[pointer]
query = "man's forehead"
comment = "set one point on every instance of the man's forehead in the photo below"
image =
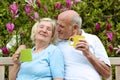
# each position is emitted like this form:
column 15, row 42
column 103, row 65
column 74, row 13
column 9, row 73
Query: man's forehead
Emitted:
column 60, row 22
column 63, row 21
column 69, row 13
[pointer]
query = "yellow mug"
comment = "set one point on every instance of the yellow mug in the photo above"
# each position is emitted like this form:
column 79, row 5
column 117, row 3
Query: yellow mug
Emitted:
column 73, row 40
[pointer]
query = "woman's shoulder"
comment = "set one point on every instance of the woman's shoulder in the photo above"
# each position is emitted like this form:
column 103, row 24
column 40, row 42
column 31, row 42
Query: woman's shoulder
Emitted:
column 53, row 47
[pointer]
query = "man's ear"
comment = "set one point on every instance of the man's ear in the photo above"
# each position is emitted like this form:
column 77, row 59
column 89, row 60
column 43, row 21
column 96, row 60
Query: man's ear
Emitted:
column 75, row 29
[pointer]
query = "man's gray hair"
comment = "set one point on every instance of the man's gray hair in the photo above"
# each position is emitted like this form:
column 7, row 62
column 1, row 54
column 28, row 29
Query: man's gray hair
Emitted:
column 77, row 20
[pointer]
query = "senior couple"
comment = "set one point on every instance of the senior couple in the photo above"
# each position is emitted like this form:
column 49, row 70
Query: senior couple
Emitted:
column 55, row 59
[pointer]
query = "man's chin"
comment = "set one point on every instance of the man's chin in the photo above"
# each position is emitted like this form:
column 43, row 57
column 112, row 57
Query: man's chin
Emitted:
column 62, row 38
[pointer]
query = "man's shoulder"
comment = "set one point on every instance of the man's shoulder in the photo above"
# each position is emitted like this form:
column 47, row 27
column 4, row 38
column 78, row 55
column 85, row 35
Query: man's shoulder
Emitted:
column 90, row 35
column 86, row 34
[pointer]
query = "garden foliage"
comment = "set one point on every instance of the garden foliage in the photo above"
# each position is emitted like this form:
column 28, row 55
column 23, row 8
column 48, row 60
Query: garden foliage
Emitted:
column 100, row 17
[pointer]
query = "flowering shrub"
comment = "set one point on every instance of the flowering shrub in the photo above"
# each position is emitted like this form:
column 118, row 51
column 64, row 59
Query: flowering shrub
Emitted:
column 100, row 17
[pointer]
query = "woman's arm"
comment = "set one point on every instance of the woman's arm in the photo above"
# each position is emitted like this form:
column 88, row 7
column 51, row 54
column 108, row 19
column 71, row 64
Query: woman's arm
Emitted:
column 16, row 63
column 58, row 79
column 13, row 72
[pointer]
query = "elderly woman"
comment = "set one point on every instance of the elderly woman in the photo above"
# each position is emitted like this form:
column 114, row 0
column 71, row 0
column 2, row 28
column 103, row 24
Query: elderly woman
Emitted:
column 48, row 60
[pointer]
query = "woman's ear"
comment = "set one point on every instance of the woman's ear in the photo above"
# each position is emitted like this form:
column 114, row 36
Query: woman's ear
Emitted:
column 75, row 29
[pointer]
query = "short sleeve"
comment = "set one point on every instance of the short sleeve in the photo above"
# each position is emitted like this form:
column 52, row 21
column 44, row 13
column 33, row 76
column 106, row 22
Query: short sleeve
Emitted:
column 100, row 51
column 57, row 63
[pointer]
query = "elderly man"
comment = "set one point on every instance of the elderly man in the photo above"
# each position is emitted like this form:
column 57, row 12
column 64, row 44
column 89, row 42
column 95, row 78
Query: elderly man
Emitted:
column 88, row 60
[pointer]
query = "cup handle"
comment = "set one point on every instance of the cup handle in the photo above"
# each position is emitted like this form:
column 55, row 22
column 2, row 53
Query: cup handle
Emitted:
column 70, row 41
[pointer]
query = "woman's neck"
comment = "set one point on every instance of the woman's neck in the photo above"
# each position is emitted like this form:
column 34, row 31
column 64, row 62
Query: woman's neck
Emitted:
column 40, row 46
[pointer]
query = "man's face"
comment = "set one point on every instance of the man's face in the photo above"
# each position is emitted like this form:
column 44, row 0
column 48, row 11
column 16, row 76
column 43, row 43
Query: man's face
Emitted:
column 64, row 29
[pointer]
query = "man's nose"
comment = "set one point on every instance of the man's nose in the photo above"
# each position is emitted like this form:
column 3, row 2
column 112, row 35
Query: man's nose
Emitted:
column 57, row 28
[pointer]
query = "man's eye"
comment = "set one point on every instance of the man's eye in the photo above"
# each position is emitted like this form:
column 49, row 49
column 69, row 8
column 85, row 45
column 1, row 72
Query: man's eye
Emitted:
column 60, row 25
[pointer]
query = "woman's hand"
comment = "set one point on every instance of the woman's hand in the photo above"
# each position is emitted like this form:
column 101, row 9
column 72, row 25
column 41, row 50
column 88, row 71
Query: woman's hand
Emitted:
column 15, row 58
column 16, row 55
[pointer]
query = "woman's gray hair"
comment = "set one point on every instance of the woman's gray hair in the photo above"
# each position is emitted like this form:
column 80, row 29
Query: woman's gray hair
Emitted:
column 54, row 39
column 77, row 20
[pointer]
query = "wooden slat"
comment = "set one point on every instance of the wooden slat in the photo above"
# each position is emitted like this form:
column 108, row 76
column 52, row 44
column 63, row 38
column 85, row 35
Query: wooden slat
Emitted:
column 2, row 72
column 10, row 67
column 115, row 60
column 6, row 61
column 3, row 62
column 117, row 72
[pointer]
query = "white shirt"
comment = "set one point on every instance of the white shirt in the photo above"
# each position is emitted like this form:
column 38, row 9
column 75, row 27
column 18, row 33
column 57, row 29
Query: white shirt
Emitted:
column 77, row 66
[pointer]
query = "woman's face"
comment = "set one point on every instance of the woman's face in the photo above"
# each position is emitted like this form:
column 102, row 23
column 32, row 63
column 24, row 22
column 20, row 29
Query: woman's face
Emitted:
column 44, row 31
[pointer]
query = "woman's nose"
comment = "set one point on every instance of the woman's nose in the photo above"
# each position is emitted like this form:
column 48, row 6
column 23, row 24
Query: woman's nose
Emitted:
column 44, row 29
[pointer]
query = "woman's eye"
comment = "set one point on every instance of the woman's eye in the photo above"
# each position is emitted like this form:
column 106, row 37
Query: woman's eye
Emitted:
column 45, row 27
column 49, row 29
column 41, row 26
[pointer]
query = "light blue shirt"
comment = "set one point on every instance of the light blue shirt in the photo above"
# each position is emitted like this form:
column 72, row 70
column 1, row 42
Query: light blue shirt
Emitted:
column 45, row 65
column 77, row 66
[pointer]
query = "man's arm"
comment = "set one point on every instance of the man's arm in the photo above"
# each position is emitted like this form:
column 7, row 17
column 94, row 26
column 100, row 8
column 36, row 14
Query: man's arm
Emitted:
column 102, row 68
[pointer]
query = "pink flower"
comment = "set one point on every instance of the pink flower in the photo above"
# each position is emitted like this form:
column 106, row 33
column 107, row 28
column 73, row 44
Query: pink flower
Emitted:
column 36, row 16
column 56, row 17
column 45, row 9
column 38, row 3
column 64, row 8
column 69, row 3
column 10, row 27
column 5, row 51
column 57, row 5
column 109, row 35
column 97, row 27
column 111, row 48
column 27, row 9
column 108, row 26
column 14, row 8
